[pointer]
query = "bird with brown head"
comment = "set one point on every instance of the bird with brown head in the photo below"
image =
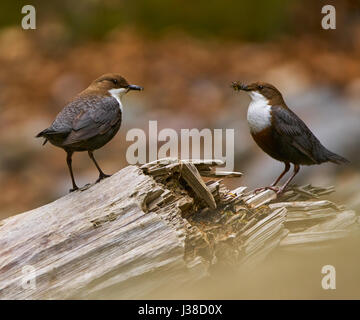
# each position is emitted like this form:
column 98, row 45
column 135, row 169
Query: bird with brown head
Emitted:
column 90, row 120
column 280, row 133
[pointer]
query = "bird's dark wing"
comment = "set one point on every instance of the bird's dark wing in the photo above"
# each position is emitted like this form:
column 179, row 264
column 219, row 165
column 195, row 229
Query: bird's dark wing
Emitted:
column 295, row 132
column 95, row 116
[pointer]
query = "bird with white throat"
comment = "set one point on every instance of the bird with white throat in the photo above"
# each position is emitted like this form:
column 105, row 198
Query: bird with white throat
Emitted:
column 90, row 120
column 280, row 133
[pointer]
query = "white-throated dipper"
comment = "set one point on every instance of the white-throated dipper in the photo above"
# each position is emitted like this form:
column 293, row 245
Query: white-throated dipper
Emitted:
column 90, row 120
column 280, row 133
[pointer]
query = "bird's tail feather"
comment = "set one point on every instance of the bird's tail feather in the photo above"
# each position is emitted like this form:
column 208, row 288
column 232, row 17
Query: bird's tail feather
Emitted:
column 51, row 134
column 335, row 158
column 43, row 135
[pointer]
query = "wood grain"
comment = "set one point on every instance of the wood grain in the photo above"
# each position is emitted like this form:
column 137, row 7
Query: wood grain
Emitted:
column 146, row 228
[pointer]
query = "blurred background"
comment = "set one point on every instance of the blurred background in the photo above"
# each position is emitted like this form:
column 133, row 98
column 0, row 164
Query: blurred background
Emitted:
column 185, row 54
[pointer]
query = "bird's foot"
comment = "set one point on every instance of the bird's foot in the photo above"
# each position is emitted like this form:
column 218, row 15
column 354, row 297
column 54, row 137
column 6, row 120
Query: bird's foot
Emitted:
column 277, row 190
column 280, row 191
column 74, row 189
column 102, row 176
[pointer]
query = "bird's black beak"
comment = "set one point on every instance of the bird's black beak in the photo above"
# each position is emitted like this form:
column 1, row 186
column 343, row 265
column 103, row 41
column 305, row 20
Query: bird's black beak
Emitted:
column 134, row 87
column 240, row 86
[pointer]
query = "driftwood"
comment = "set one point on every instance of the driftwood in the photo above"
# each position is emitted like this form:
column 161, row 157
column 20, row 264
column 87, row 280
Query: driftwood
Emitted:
column 134, row 233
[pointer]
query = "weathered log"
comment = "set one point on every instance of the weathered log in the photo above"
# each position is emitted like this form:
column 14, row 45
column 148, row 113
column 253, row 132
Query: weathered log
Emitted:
column 144, row 228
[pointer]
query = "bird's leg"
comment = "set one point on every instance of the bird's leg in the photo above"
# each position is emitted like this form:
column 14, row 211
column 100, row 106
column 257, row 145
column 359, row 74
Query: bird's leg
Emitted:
column 102, row 175
column 273, row 185
column 296, row 170
column 69, row 162
column 286, row 169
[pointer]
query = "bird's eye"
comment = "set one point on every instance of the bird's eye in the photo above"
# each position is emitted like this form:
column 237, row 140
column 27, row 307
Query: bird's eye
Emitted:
column 114, row 81
column 261, row 87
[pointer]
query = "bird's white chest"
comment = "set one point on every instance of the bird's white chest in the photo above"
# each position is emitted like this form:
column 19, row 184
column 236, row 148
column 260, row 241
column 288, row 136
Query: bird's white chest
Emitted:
column 259, row 113
column 117, row 94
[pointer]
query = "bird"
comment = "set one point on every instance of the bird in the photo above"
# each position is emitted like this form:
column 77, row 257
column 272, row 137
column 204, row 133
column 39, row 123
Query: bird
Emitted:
column 280, row 133
column 90, row 120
